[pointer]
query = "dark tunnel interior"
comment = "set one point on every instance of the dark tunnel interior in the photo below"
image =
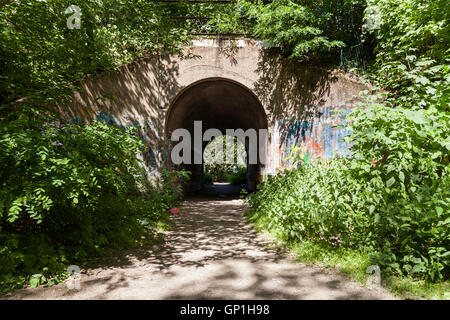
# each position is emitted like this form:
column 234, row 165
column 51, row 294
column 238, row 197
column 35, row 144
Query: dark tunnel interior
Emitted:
column 220, row 104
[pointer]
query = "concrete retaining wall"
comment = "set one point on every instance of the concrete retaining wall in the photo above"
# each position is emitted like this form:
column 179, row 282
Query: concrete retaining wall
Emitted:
column 298, row 100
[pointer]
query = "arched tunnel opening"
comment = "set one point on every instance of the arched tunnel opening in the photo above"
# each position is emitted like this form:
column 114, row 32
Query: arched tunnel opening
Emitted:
column 218, row 105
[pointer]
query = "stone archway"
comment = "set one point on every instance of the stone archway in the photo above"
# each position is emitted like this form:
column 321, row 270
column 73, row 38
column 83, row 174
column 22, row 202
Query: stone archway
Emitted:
column 222, row 104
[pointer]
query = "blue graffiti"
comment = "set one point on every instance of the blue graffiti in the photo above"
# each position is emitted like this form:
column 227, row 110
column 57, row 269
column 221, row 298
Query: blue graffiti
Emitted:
column 295, row 128
column 75, row 120
column 327, row 140
column 108, row 118
column 151, row 158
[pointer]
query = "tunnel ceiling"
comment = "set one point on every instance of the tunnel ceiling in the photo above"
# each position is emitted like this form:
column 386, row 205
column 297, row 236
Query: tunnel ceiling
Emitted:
column 219, row 103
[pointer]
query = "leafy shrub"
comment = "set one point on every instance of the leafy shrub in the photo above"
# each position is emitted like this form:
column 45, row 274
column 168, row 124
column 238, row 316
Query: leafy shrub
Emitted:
column 63, row 56
column 237, row 178
column 63, row 165
column 407, row 233
column 392, row 196
column 218, row 172
column 223, row 172
column 207, row 178
column 70, row 192
column 412, row 52
column 174, row 182
column 296, row 27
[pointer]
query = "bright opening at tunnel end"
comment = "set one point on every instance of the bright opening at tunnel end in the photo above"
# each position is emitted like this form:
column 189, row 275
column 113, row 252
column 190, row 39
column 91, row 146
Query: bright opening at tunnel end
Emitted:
column 253, row 140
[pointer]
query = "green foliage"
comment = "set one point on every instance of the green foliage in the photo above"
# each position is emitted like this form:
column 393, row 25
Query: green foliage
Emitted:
column 63, row 164
column 335, row 205
column 218, row 172
column 173, row 182
column 412, row 51
column 72, row 191
column 238, row 177
column 225, row 159
column 353, row 263
column 305, row 29
column 293, row 26
column 39, row 53
column 224, row 172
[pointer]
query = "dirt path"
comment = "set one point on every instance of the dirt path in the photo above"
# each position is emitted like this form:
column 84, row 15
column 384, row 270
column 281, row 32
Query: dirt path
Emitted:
column 211, row 254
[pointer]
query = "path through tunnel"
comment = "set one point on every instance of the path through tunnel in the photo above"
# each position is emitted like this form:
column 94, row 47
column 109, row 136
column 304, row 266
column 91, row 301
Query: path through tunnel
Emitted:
column 219, row 104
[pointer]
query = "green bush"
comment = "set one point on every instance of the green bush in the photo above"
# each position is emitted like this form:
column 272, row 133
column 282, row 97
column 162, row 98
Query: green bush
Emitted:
column 112, row 33
column 391, row 198
column 237, row 178
column 348, row 204
column 63, row 165
column 302, row 29
column 224, row 172
column 218, row 172
column 207, row 178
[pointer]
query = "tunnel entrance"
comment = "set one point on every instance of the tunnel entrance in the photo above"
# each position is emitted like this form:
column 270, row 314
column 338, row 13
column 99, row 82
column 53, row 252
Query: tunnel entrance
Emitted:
column 224, row 167
column 219, row 104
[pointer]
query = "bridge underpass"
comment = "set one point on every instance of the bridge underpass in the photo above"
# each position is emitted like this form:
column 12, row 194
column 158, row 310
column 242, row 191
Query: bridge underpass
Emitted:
column 231, row 84
column 220, row 104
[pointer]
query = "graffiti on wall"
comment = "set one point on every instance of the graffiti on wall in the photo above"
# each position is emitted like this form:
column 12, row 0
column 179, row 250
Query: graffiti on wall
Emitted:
column 321, row 138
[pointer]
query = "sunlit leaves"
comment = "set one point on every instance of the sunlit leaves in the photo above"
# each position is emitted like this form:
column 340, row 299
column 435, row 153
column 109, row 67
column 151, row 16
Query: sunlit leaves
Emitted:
column 39, row 52
column 301, row 29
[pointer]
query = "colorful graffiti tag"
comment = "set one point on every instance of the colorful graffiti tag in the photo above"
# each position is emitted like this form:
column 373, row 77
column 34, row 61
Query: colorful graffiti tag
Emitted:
column 321, row 138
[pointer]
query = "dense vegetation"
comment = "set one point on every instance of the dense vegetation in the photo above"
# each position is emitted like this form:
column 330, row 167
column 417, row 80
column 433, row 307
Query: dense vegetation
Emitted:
column 391, row 198
column 63, row 199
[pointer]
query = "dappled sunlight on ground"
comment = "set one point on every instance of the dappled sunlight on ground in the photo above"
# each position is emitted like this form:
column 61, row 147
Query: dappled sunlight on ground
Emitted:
column 211, row 253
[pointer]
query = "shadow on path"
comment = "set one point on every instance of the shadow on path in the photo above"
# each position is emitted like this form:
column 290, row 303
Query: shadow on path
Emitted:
column 211, row 253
